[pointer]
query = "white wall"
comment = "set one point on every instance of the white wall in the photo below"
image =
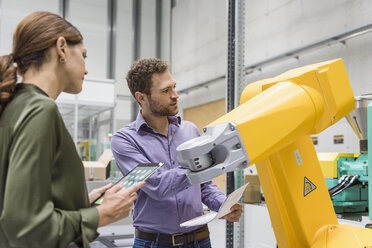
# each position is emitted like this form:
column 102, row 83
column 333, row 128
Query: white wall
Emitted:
column 199, row 43
column 276, row 27
column 90, row 17
column 124, row 57
column 11, row 14
column 148, row 24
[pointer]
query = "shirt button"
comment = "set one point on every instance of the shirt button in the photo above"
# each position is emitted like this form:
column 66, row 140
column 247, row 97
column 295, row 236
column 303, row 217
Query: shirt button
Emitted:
column 173, row 162
column 179, row 200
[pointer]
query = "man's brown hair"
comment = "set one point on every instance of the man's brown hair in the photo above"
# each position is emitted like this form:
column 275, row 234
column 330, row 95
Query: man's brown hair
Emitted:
column 139, row 75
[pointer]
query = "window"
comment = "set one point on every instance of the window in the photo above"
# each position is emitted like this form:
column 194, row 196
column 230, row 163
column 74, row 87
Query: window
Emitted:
column 338, row 139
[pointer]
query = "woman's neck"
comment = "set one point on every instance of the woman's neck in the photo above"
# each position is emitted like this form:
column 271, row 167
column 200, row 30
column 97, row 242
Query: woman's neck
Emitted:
column 45, row 79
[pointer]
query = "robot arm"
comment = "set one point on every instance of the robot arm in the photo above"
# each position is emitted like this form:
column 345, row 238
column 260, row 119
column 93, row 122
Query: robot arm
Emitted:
column 271, row 128
column 273, row 113
column 219, row 150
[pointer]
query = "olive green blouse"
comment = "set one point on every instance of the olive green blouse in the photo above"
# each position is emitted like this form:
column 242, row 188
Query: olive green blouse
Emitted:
column 43, row 195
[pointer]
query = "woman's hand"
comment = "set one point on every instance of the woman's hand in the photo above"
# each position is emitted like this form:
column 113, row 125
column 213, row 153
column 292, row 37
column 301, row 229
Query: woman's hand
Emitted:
column 117, row 204
column 95, row 193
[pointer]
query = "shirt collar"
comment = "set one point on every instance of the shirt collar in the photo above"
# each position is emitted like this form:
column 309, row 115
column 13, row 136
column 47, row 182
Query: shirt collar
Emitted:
column 140, row 122
column 31, row 87
column 176, row 120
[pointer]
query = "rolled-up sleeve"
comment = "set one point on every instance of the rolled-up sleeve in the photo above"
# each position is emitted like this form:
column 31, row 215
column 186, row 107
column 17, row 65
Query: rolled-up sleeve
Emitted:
column 212, row 197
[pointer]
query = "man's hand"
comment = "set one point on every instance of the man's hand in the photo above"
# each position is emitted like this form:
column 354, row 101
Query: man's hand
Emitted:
column 234, row 216
column 95, row 193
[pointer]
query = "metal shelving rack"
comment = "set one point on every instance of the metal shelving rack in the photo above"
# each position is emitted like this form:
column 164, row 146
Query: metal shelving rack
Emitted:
column 235, row 86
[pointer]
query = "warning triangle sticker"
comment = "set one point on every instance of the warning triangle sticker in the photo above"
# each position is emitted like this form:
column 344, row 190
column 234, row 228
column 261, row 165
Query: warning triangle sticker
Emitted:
column 308, row 186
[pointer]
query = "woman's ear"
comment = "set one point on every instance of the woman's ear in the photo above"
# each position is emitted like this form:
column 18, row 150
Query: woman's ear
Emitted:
column 61, row 46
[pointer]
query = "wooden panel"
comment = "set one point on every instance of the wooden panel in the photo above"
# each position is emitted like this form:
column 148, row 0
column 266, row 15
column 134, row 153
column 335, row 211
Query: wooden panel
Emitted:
column 202, row 115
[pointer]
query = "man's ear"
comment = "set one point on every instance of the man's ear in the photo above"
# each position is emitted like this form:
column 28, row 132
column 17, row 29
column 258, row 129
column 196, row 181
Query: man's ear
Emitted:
column 140, row 97
column 61, row 46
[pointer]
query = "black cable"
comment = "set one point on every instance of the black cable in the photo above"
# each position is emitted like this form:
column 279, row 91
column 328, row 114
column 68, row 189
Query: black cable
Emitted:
column 339, row 186
column 352, row 182
column 339, row 181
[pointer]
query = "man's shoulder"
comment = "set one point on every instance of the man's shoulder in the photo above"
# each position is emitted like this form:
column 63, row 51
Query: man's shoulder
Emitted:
column 124, row 136
column 187, row 123
column 128, row 129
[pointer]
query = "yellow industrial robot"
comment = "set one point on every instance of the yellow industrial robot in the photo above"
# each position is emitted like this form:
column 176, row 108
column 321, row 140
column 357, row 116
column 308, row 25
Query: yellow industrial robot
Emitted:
column 271, row 128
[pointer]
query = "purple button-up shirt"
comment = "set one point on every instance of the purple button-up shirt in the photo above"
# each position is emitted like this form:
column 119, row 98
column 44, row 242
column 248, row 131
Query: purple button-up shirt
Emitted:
column 168, row 198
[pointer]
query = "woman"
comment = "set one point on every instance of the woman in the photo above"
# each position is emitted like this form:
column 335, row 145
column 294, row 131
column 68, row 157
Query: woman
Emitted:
column 43, row 196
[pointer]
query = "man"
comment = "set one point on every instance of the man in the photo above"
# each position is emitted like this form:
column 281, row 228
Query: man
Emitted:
column 168, row 198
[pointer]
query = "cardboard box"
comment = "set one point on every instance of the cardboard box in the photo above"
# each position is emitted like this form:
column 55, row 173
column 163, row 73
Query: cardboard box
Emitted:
column 220, row 181
column 252, row 193
column 98, row 170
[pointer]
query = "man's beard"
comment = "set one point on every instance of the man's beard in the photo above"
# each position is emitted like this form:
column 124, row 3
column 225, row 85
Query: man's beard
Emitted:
column 160, row 110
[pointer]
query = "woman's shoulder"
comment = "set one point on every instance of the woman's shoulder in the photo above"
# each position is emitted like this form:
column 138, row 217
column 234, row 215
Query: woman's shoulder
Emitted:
column 28, row 104
column 32, row 97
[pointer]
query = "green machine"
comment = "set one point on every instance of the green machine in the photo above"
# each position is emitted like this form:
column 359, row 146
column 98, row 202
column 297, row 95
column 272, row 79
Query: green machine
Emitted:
column 347, row 174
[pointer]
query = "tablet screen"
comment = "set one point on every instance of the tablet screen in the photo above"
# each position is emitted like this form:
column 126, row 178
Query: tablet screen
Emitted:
column 139, row 173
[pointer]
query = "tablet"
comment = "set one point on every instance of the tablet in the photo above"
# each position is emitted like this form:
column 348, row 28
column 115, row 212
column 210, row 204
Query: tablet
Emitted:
column 138, row 174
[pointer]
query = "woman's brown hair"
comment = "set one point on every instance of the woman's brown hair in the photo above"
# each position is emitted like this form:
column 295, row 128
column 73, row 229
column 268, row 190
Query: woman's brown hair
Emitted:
column 34, row 35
